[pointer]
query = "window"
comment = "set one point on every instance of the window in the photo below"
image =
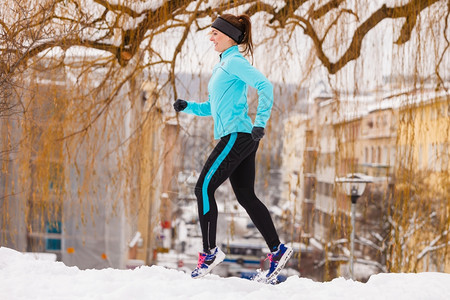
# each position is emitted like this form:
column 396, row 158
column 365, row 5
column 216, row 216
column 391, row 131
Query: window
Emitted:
column 385, row 156
column 442, row 158
column 374, row 155
column 379, row 155
column 310, row 188
column 56, row 173
column 325, row 188
column 53, row 243
column 419, row 157
column 442, row 110
column 44, row 232
column 366, row 155
column 431, row 156
column 392, row 156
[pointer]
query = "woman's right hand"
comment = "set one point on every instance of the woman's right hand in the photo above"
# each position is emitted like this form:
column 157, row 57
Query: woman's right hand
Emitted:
column 179, row 105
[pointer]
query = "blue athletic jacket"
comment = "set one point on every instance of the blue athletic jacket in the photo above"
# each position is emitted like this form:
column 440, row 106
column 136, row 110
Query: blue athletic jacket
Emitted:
column 227, row 100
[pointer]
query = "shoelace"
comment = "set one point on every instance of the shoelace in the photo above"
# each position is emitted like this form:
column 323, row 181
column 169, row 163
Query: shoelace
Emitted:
column 270, row 257
column 201, row 260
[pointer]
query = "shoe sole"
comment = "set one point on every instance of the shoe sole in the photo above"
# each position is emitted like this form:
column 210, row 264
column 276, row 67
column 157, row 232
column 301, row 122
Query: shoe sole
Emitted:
column 219, row 258
column 281, row 264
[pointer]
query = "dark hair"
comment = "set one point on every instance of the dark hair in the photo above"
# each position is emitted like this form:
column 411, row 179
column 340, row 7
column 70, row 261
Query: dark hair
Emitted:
column 243, row 23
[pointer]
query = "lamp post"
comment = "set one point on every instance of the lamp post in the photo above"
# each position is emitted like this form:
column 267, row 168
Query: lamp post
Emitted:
column 354, row 185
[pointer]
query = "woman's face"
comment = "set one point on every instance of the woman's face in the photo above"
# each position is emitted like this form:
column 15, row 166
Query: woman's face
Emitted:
column 221, row 41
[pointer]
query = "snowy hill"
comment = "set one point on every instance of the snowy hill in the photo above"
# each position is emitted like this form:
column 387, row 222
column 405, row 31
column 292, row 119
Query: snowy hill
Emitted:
column 24, row 277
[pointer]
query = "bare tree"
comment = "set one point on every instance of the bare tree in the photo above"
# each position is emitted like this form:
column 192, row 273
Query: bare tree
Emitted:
column 130, row 34
column 106, row 48
column 126, row 29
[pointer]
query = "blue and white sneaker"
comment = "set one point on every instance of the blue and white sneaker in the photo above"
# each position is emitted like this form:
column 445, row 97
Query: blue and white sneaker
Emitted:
column 277, row 261
column 207, row 262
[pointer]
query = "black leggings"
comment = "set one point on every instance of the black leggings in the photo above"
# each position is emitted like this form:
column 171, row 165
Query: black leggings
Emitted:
column 234, row 158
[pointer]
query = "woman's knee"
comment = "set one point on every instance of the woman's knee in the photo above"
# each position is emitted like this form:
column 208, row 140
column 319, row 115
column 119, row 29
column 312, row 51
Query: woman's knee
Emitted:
column 245, row 196
column 198, row 192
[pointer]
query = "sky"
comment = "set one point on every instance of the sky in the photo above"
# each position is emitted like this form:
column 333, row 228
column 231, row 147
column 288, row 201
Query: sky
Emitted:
column 23, row 276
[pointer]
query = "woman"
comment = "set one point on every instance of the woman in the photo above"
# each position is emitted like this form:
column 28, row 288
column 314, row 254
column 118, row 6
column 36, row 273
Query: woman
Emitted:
column 234, row 155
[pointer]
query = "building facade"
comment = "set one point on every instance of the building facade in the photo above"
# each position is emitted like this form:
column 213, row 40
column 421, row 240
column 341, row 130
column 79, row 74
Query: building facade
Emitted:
column 402, row 143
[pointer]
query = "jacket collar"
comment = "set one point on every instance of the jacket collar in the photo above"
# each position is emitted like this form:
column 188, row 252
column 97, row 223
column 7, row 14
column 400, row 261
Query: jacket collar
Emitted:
column 229, row 51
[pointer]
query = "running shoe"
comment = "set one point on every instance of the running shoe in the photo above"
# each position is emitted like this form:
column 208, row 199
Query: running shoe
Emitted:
column 207, row 262
column 277, row 261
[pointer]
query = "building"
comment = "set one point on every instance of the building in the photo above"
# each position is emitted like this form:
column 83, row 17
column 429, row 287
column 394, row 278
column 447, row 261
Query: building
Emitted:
column 422, row 175
column 293, row 175
column 401, row 141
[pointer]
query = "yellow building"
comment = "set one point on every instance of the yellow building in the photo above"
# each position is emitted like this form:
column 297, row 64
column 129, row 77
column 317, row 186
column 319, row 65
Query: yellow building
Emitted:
column 377, row 142
column 403, row 143
column 422, row 176
column 424, row 133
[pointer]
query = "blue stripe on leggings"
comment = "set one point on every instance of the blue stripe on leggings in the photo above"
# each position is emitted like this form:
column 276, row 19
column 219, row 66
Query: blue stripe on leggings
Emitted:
column 213, row 169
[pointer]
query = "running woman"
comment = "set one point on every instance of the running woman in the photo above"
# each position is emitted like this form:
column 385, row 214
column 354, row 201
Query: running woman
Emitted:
column 234, row 155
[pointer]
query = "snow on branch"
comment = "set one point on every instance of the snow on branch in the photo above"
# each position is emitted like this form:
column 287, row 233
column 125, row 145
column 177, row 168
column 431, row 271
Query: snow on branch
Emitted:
column 432, row 246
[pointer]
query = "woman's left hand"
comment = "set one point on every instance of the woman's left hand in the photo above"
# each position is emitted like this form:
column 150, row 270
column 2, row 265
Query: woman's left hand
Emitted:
column 257, row 133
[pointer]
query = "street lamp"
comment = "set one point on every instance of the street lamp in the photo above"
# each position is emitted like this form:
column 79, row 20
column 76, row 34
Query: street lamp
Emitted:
column 354, row 185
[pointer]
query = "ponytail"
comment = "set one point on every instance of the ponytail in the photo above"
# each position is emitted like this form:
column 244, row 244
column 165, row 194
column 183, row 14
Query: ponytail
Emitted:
column 247, row 40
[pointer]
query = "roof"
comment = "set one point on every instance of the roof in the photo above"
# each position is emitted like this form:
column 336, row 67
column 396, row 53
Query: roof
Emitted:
column 354, row 108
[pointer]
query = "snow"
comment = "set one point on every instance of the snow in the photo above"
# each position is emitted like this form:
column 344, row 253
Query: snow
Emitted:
column 27, row 277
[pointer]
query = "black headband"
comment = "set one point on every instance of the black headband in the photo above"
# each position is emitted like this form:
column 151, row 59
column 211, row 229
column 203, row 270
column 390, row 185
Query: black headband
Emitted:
column 229, row 29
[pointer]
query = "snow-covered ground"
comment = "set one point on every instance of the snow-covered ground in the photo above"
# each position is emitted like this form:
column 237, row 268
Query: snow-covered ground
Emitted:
column 25, row 277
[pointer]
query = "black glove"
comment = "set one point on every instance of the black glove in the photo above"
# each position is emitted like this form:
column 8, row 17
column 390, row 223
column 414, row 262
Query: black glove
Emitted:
column 179, row 105
column 257, row 133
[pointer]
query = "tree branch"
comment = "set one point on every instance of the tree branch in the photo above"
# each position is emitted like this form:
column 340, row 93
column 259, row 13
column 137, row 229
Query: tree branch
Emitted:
column 354, row 50
column 336, row 20
column 324, row 9
column 441, row 81
column 287, row 11
column 411, row 11
column 3, row 24
column 180, row 45
column 432, row 247
column 155, row 18
column 122, row 8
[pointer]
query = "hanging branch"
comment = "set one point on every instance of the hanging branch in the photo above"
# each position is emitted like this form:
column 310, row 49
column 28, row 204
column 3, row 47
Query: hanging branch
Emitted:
column 408, row 11
column 132, row 38
column 180, row 45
